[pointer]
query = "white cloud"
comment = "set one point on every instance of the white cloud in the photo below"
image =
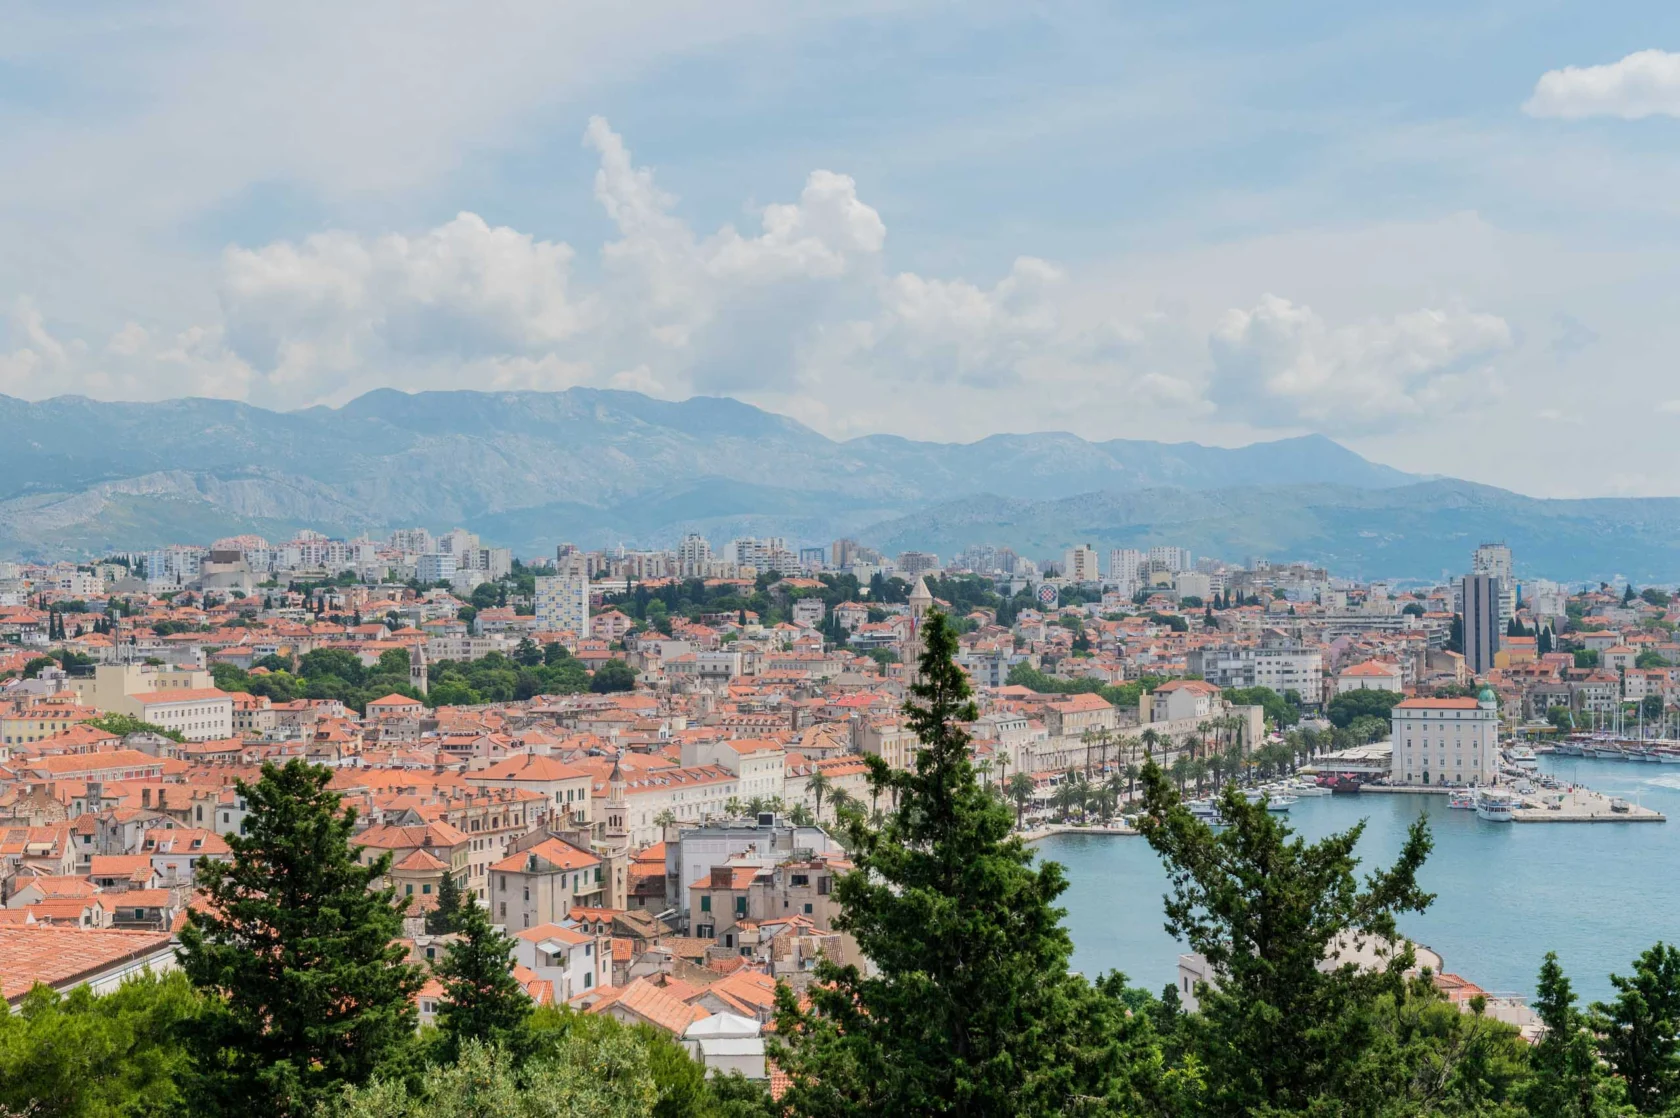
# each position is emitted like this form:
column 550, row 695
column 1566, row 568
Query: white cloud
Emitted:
column 799, row 314
column 1645, row 83
column 1281, row 364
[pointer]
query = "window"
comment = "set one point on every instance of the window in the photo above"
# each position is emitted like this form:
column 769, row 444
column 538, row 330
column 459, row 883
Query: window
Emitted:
column 588, row 980
column 408, row 890
column 823, row 886
column 800, row 879
column 426, row 889
column 705, row 902
column 740, row 906
column 807, row 910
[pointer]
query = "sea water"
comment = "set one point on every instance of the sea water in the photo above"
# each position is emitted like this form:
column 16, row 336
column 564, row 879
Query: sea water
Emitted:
column 1505, row 893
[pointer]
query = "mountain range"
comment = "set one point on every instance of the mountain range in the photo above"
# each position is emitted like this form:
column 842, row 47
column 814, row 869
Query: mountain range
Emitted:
column 599, row 468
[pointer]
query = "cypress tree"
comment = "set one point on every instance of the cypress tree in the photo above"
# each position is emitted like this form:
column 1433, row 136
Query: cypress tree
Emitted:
column 970, row 1008
column 482, row 1000
column 446, row 913
column 295, row 941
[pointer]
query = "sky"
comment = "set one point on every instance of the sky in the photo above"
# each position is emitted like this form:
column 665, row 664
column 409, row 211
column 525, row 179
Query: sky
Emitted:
column 1443, row 234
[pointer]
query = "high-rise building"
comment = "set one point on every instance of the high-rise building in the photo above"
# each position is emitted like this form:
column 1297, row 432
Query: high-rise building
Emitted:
column 813, row 559
column 1125, row 567
column 843, row 553
column 694, row 556
column 1494, row 560
column 1173, row 559
column 1079, row 564
column 436, row 567
column 562, row 599
column 917, row 562
column 1481, row 621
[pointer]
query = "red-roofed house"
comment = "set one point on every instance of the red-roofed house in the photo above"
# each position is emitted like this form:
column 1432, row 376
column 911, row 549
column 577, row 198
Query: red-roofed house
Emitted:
column 542, row 884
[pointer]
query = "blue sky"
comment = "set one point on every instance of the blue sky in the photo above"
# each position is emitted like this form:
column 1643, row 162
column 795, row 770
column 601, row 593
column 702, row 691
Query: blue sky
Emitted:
column 1441, row 233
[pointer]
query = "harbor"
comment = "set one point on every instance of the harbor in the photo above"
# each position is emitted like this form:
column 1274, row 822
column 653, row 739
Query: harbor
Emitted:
column 1504, row 894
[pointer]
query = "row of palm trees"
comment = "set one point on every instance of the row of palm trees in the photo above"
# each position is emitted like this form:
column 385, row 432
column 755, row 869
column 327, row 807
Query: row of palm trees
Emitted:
column 1214, row 757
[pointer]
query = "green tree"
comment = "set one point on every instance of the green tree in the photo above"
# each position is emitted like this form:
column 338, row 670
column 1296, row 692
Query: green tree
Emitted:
column 295, row 941
column 338, row 663
column 1280, row 1029
column 393, row 661
column 614, row 675
column 82, row 1056
column 1347, row 706
column 970, row 1009
column 1586, row 657
column 482, row 1001
column 125, row 724
column 1568, row 1080
column 1639, row 1032
column 605, row 1076
column 445, row 914
column 1020, row 788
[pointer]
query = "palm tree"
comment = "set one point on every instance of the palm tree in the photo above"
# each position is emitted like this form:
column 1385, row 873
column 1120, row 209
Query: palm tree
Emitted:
column 665, row 818
column 1115, row 784
column 1179, row 770
column 1198, row 771
column 801, row 816
column 1203, row 729
column 734, row 806
column 839, row 800
column 817, row 784
column 1133, row 771
column 1020, row 790
column 1150, row 738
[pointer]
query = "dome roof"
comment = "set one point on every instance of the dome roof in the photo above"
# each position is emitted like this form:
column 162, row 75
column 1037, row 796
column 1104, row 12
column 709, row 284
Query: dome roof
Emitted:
column 1487, row 696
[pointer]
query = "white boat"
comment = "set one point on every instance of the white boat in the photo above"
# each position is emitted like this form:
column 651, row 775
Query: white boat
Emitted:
column 1303, row 787
column 1496, row 806
column 1462, row 801
column 1280, row 804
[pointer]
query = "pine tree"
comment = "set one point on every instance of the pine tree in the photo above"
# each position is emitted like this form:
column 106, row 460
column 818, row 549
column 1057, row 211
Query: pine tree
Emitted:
column 295, row 939
column 970, row 1009
column 1568, row 1081
column 446, row 914
column 1279, row 1032
column 1637, row 1033
column 482, row 1000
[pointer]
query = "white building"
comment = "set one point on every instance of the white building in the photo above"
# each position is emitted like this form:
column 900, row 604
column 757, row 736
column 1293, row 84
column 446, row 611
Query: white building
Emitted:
column 1079, row 564
column 1494, row 560
column 1371, row 675
column 437, row 567
column 1172, row 558
column 694, row 556
column 1446, row 742
column 562, row 600
column 1125, row 567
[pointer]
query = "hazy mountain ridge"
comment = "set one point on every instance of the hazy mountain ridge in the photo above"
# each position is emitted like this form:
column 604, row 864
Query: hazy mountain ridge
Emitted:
column 599, row 468
column 532, row 468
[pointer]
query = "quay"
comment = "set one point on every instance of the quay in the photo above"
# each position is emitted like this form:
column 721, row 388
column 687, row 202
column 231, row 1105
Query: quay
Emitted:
column 1580, row 805
column 1043, row 832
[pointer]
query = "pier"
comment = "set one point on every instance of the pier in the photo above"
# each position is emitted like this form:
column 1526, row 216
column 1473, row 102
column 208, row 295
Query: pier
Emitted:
column 1580, row 805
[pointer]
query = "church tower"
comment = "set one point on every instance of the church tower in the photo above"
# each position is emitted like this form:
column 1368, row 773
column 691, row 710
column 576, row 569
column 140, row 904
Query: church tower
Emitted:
column 616, row 808
column 920, row 602
column 417, row 668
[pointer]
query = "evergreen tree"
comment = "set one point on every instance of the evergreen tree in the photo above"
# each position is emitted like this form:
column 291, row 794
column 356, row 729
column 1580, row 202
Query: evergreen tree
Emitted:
column 1568, row 1079
column 1280, row 1031
column 295, row 939
column 482, row 1001
column 970, row 1009
column 446, row 913
column 1637, row 1033
column 1543, row 643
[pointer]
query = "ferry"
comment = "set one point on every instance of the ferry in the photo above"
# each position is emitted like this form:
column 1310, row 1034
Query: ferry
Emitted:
column 1496, row 806
column 1523, row 757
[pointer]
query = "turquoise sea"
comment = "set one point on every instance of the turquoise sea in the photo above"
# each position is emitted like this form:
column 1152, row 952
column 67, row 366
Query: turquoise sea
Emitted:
column 1506, row 893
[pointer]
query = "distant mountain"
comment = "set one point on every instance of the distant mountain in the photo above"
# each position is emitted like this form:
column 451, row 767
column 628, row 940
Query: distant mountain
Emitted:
column 530, row 469
column 1422, row 530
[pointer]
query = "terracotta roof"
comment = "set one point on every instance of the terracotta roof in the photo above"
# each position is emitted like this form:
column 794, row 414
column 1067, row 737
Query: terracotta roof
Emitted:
column 656, row 1005
column 1438, row 704
column 63, row 956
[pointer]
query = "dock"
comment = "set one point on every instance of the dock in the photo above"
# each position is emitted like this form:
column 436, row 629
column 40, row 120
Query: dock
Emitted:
column 1048, row 829
column 1582, row 805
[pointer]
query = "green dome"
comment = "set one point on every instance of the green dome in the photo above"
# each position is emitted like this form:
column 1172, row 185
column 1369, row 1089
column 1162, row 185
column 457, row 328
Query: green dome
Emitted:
column 1487, row 696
